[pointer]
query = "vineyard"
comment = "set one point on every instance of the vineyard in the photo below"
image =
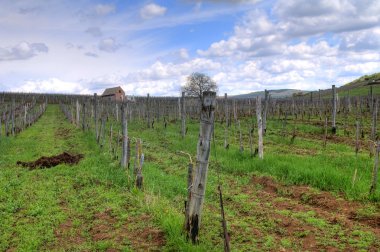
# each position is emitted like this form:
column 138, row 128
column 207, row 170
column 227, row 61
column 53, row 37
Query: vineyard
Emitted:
column 81, row 173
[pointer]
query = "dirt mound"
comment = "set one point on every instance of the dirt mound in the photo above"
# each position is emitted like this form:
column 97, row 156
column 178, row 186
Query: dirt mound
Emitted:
column 47, row 162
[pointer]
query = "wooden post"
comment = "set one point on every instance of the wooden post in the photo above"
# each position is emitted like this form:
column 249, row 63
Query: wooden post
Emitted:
column 259, row 127
column 183, row 116
column 117, row 112
column 319, row 105
column 13, row 115
column 124, row 134
column 240, row 138
column 148, row 111
column 200, row 177
column 357, row 138
column 373, row 125
column 374, row 119
column 189, row 185
column 102, row 130
column 139, row 164
column 325, row 136
column 84, row 117
column 334, row 110
column 77, row 115
column 226, row 117
column 375, row 169
column 25, row 115
column 251, row 141
column 110, row 140
column 266, row 93
column 96, row 115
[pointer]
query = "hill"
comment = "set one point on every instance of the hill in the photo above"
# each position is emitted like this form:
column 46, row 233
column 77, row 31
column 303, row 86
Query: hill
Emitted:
column 278, row 93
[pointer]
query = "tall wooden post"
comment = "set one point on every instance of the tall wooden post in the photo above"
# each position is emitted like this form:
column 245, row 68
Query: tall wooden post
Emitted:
column 226, row 117
column 13, row 115
column 117, row 112
column 334, row 110
column 77, row 115
column 357, row 138
column 200, row 176
column 375, row 169
column 183, row 116
column 148, row 110
column 260, row 127
column 124, row 135
column 374, row 119
column 266, row 93
column 84, row 116
column 96, row 115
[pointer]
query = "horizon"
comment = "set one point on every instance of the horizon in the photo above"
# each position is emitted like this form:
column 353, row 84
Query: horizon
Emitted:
column 246, row 46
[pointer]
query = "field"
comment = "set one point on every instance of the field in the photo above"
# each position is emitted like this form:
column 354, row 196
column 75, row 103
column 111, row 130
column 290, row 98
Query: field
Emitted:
column 300, row 197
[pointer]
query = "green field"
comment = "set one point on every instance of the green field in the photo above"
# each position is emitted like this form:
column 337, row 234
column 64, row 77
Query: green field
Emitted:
column 299, row 198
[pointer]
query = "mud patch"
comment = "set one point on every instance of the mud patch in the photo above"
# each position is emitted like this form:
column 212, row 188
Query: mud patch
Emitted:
column 48, row 162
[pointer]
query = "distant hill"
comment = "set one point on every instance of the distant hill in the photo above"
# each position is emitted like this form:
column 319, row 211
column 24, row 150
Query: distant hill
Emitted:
column 362, row 81
column 278, row 93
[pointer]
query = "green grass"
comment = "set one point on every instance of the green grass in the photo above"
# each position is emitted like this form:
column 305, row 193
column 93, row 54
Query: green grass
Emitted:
column 77, row 200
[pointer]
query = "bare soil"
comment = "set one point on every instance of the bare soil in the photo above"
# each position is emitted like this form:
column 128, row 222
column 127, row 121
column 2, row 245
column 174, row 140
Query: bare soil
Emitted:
column 48, row 162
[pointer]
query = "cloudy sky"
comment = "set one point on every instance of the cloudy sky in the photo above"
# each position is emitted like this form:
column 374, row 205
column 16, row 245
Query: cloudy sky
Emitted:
column 84, row 46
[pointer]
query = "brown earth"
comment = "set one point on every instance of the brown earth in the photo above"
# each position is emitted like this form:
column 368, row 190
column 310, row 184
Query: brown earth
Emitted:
column 48, row 162
column 307, row 218
column 137, row 231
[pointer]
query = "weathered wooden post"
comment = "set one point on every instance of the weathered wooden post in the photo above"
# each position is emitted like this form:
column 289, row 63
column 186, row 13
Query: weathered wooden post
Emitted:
column 77, row 115
column 325, row 136
column 183, row 116
column 374, row 119
column 13, row 115
column 259, row 127
column 319, row 105
column 148, row 110
column 117, row 112
column 226, row 117
column 375, row 169
column 334, row 110
column 200, row 177
column 124, row 135
column 357, row 138
column 266, row 97
column 84, row 117
column 96, row 115
column 373, row 125
column 241, row 148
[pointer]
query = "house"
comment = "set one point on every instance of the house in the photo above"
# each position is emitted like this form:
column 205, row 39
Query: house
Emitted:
column 114, row 94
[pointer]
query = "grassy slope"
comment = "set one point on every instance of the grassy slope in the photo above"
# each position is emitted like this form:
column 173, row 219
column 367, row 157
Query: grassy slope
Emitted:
column 67, row 207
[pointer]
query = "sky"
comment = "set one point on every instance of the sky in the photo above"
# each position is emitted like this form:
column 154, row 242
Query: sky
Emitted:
column 85, row 46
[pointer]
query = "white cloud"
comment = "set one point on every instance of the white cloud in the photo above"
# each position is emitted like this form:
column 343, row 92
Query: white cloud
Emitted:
column 23, row 50
column 52, row 85
column 152, row 10
column 108, row 45
column 104, row 9
column 94, row 31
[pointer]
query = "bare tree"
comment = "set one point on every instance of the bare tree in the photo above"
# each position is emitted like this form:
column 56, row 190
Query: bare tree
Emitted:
column 197, row 83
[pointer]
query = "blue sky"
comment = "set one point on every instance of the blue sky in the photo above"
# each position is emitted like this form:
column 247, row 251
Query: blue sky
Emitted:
column 84, row 46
